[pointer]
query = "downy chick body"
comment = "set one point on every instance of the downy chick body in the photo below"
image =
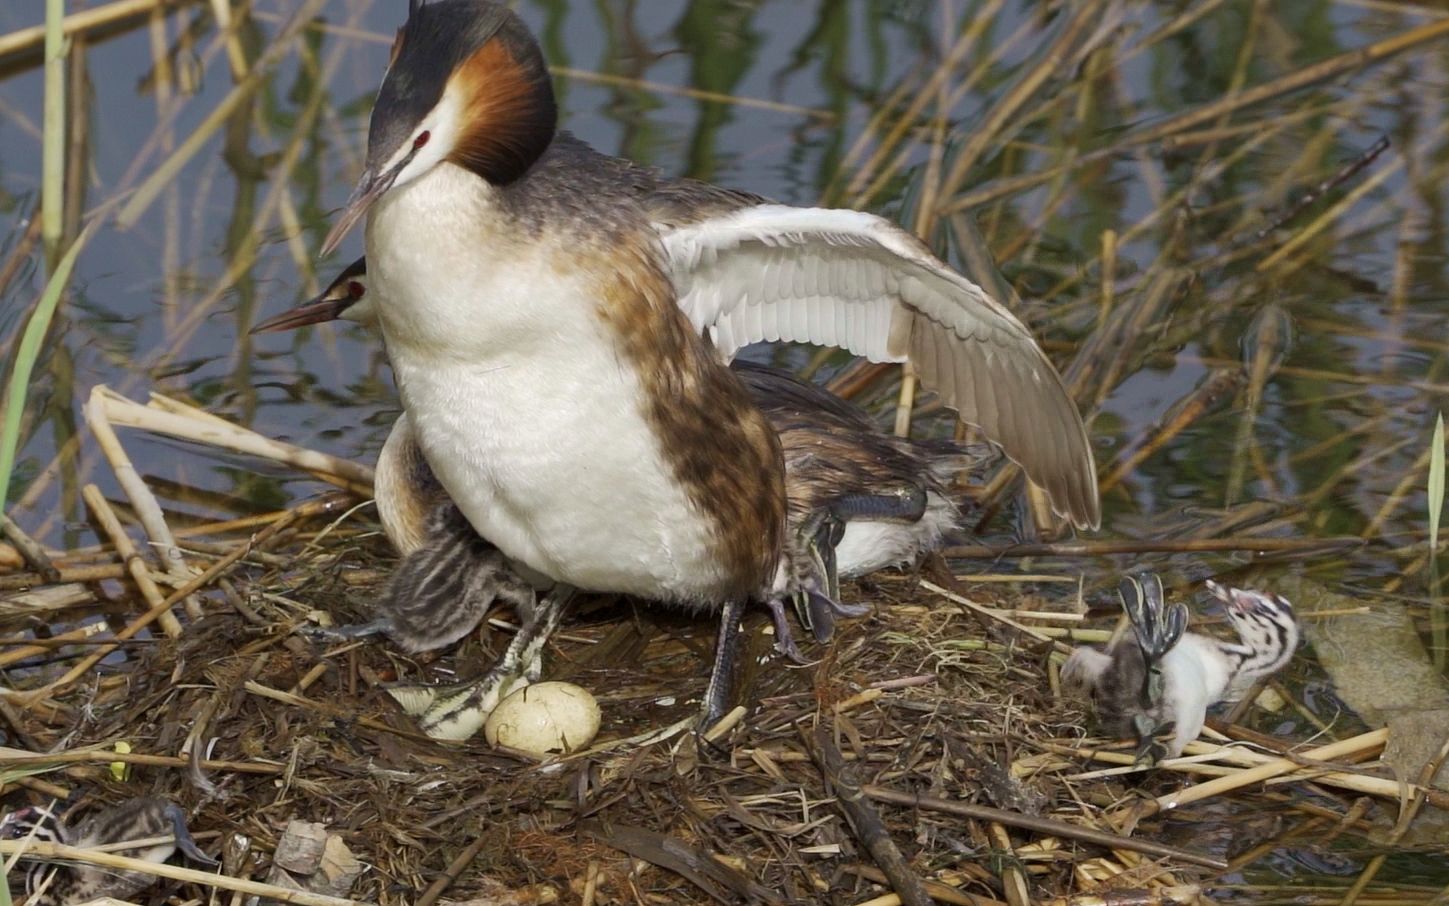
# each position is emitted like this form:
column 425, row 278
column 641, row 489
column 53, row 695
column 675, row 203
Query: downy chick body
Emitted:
column 1157, row 674
column 135, row 819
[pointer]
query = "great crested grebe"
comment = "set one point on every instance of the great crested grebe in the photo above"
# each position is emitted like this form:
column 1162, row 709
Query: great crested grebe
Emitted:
column 545, row 305
column 859, row 500
column 1160, row 674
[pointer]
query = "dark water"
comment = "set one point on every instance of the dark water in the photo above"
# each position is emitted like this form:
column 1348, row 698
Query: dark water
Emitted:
column 778, row 95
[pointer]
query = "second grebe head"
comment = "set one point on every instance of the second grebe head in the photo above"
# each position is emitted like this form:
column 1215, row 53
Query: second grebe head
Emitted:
column 345, row 297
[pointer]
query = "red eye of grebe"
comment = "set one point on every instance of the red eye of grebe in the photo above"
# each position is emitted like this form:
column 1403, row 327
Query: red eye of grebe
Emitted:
column 355, row 290
column 422, row 139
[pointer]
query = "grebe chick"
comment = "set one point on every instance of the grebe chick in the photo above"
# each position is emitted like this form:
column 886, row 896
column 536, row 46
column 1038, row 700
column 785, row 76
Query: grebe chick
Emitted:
column 1159, row 674
column 142, row 818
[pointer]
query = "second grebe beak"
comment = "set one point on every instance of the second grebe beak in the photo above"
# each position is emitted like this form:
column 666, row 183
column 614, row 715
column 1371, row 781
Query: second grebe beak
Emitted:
column 338, row 298
column 314, row 312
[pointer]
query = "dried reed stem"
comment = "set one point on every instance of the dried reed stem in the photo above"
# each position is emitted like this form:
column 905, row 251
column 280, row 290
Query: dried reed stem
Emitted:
column 1268, row 770
column 21, row 758
column 150, row 616
column 208, row 429
column 52, row 154
column 1045, row 826
column 29, row 549
column 148, row 511
column 135, row 564
column 166, row 172
column 23, row 40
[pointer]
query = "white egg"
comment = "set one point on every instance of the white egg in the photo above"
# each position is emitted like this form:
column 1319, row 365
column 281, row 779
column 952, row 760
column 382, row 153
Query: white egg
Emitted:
column 549, row 717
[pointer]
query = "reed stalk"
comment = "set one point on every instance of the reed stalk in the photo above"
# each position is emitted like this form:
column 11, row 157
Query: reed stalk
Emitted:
column 25, row 356
column 52, row 164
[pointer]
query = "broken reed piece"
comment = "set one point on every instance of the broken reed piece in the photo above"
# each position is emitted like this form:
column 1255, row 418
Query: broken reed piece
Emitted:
column 22, row 758
column 174, row 872
column 148, row 510
column 28, row 549
column 135, row 563
column 176, row 419
column 1050, row 827
column 1127, row 817
column 865, row 820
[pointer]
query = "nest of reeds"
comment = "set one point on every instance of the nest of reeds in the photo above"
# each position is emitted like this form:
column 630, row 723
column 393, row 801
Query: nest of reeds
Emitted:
column 926, row 754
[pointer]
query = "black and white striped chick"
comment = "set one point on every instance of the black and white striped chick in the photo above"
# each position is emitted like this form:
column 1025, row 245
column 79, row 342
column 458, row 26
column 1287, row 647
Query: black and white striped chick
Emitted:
column 441, row 590
column 1160, row 675
column 143, row 818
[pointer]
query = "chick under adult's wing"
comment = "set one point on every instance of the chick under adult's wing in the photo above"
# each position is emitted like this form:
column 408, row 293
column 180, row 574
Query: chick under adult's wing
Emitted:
column 854, row 280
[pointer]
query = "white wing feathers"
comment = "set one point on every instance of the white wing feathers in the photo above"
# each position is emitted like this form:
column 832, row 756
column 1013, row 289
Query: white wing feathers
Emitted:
column 857, row 281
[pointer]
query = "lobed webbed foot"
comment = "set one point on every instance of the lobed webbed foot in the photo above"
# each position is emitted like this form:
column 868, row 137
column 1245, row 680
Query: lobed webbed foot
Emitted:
column 458, row 710
column 784, row 635
column 333, row 635
column 1157, row 627
column 184, row 841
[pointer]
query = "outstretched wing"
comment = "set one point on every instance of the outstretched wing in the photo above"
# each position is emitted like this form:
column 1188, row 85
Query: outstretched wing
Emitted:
column 857, row 281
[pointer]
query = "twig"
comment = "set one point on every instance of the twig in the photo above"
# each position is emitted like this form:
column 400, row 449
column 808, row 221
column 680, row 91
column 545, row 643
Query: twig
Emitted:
column 288, row 698
column 866, row 821
column 1347, row 172
column 101, row 509
column 19, row 758
column 1318, row 546
column 1045, row 826
column 685, row 860
column 1000, row 616
column 451, row 873
column 30, row 549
